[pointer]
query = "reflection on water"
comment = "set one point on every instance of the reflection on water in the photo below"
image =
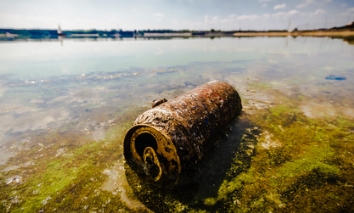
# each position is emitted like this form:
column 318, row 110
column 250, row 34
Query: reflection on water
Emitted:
column 65, row 108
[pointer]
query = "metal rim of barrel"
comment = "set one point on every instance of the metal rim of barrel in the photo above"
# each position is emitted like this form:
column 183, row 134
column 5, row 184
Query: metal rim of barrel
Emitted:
column 180, row 132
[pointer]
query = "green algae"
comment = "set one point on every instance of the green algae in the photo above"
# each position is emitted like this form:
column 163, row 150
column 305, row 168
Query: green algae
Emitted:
column 306, row 158
column 43, row 188
column 313, row 159
column 69, row 179
column 274, row 160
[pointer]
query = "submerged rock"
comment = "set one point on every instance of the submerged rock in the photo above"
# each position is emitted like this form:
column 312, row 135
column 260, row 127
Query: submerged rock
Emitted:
column 16, row 179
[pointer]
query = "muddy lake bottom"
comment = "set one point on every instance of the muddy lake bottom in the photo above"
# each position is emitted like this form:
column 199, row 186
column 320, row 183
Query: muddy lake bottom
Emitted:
column 65, row 109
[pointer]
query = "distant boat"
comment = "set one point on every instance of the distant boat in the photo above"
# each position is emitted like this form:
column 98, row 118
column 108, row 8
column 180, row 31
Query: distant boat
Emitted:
column 10, row 36
column 60, row 32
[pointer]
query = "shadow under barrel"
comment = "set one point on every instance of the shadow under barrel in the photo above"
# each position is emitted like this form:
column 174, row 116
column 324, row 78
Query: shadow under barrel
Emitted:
column 173, row 137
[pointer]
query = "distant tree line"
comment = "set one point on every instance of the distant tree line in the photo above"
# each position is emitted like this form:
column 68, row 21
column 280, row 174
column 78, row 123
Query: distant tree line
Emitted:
column 35, row 33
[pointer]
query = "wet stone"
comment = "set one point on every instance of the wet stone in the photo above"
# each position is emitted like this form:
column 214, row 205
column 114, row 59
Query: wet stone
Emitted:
column 16, row 179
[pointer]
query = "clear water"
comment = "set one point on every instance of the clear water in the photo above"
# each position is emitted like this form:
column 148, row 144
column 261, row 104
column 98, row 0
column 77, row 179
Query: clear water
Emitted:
column 77, row 91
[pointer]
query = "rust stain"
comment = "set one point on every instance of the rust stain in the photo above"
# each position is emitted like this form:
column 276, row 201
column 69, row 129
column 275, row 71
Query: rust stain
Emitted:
column 175, row 135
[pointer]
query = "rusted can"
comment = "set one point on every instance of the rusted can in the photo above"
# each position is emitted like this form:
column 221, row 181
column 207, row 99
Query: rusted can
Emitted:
column 174, row 136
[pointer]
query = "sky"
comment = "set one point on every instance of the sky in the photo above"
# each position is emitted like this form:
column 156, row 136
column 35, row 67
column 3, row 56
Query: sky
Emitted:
column 175, row 14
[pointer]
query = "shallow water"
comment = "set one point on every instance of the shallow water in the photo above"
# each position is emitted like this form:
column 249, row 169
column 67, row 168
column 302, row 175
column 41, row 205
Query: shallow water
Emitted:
column 64, row 108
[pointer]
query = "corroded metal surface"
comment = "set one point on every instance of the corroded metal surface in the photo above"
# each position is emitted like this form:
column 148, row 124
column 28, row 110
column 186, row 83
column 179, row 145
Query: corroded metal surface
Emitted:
column 174, row 136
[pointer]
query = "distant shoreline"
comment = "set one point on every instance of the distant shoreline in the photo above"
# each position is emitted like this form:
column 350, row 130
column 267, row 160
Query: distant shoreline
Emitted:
column 313, row 33
column 346, row 31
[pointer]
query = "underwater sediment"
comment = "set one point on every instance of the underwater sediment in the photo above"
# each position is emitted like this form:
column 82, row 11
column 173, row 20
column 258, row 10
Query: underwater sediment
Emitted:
column 277, row 159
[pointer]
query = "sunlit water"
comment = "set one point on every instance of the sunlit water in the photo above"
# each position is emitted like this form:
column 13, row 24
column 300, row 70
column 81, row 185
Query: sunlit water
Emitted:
column 84, row 87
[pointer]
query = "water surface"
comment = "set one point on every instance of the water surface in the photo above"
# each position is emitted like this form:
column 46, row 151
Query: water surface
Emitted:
column 66, row 106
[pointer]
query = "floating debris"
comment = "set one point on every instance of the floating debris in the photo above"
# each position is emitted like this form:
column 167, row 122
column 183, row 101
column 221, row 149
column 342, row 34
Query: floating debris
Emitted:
column 335, row 77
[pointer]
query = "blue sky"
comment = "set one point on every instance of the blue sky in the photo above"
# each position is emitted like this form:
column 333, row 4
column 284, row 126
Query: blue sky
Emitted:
column 175, row 14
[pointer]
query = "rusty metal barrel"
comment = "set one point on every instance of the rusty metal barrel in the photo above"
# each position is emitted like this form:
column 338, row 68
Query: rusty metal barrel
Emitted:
column 174, row 136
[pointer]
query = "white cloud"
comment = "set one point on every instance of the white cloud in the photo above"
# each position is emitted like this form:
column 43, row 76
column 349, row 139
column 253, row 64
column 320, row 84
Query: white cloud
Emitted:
column 240, row 19
column 305, row 3
column 206, row 19
column 279, row 6
column 264, row 5
column 233, row 18
column 247, row 17
column 275, row 20
column 266, row 16
column 292, row 12
column 285, row 14
column 226, row 20
column 215, row 19
column 319, row 12
column 158, row 14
